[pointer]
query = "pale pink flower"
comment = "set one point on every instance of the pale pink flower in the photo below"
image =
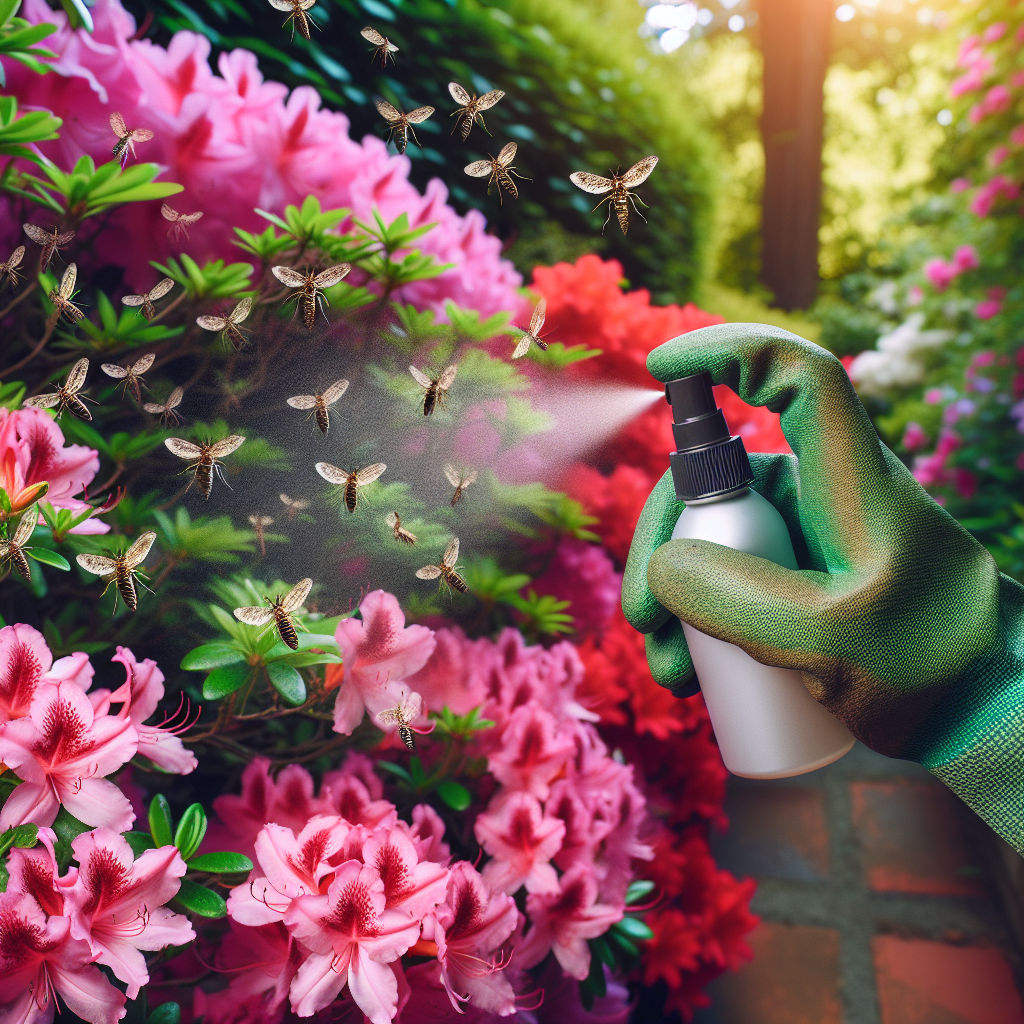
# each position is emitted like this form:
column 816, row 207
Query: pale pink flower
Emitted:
column 914, row 437
column 563, row 921
column 61, row 751
column 427, row 833
column 969, row 52
column 415, row 887
column 999, row 187
column 470, row 928
column 40, row 960
column 161, row 745
column 380, row 651
column 973, row 80
column 352, row 939
column 521, row 842
column 117, row 903
column 965, row 258
column 533, row 751
column 958, row 185
column 940, row 274
column 994, row 32
column 446, row 680
column 998, row 155
column 988, row 308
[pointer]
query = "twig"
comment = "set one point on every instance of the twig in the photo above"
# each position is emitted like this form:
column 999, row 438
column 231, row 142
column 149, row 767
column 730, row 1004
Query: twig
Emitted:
column 51, row 326
column 24, row 293
column 171, row 305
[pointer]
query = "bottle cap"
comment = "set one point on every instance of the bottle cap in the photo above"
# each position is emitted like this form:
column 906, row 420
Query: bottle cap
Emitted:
column 708, row 461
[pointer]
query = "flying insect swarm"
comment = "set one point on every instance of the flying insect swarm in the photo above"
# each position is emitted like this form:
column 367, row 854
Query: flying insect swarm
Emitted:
column 435, row 389
column 12, row 550
column 400, row 124
column 350, row 481
column 158, row 291
column 180, row 222
column 121, row 570
column 259, row 523
column 532, row 336
column 471, row 108
column 460, row 481
column 297, row 14
column 206, row 458
column 294, row 505
column 618, row 186
column 131, row 376
column 229, row 325
column 385, row 48
column 66, row 396
column 8, row 269
column 446, row 570
column 126, row 138
column 320, row 404
column 279, row 613
column 61, row 296
column 166, row 412
column 51, row 241
column 402, row 535
column 500, row 170
column 408, row 710
column 310, row 288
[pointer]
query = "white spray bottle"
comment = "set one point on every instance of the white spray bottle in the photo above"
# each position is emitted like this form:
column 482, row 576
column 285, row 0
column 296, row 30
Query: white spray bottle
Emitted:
column 767, row 724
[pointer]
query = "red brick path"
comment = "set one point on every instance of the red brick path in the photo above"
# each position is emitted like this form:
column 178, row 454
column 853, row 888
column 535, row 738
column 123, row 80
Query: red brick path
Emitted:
column 874, row 905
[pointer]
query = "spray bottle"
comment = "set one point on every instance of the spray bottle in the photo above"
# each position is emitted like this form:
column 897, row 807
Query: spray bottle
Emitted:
column 767, row 724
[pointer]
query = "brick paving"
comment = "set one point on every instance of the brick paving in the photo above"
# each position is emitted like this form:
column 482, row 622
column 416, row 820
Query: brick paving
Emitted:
column 875, row 905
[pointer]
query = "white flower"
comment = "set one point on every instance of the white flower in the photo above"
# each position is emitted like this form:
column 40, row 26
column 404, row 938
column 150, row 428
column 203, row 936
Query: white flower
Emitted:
column 894, row 363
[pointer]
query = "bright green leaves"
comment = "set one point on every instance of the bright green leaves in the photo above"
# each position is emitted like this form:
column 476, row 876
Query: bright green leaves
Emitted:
column 306, row 226
column 78, row 14
column 227, row 863
column 127, row 330
column 385, row 252
column 215, row 541
column 197, row 899
column 48, row 557
column 469, row 326
column 454, row 794
column 21, row 836
column 18, row 39
column 214, row 280
column 543, row 615
column 161, row 823
column 211, row 656
column 287, row 681
column 617, row 949
column 88, row 190
column 62, row 521
column 459, row 726
column 190, row 831
column 224, row 681
column 17, row 132
column 557, row 356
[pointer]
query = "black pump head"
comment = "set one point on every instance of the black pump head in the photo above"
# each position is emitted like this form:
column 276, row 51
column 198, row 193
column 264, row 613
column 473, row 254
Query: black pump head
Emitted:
column 708, row 461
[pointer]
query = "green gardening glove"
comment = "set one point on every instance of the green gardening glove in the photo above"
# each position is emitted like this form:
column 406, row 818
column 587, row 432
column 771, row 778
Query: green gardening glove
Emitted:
column 898, row 618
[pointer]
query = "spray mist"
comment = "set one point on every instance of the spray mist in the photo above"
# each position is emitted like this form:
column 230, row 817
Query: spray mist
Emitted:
column 767, row 724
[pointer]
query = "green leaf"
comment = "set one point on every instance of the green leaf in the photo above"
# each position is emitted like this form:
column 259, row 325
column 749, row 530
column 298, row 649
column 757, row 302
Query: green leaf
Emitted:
column 199, row 900
column 634, row 928
column 209, row 656
column 622, row 942
column 165, row 1013
column 419, row 776
column 190, row 831
column 223, row 681
column 68, row 828
column 48, row 557
column 22, row 836
column 638, row 890
column 394, row 769
column 161, row 824
column 226, row 863
column 454, row 794
column 140, row 842
column 287, row 681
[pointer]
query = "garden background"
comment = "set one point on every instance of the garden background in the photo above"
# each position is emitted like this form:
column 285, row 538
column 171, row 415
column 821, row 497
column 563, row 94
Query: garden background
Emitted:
column 850, row 172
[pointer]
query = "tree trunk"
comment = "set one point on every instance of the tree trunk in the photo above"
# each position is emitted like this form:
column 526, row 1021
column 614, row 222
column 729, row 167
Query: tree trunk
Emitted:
column 795, row 41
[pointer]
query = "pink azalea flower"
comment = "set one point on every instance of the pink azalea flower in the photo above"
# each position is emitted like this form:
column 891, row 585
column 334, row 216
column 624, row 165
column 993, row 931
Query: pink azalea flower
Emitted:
column 39, row 960
column 521, row 842
column 914, row 437
column 940, row 274
column 24, row 660
column 61, row 751
column 533, row 751
column 563, row 921
column 161, row 745
column 428, row 834
column 352, row 939
column 994, row 32
column 380, row 651
column 346, row 794
column 959, row 185
column 116, row 903
column 988, row 308
column 470, row 928
column 446, row 679
column 1017, row 135
column 410, row 885
column 965, row 258
column 583, row 575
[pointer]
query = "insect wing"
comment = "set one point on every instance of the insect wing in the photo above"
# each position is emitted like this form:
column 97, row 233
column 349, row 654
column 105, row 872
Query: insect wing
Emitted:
column 489, row 99
column 447, row 379
column 38, row 235
column 190, row 218
column 459, row 94
column 174, row 400
column 419, row 115
column 451, row 553
column 453, row 476
column 227, row 446
column 393, row 521
column 523, row 347
column 19, row 253
column 370, row 473
column 429, row 572
column 25, row 527
column 67, row 282
column 297, row 595
column 302, row 401
column 136, row 554
column 281, row 5
column 254, row 616
column 133, row 300
column 65, row 238
column 212, row 323
column 479, row 168
column 182, row 448
column 371, row 35
column 42, row 401
column 592, row 183
column 99, row 565
column 169, row 213
column 388, row 112
column 639, row 172
column 118, row 126
column 331, row 473
column 334, row 392
column 470, row 479
column 143, row 364
column 112, row 369
column 241, row 311
column 390, row 716
column 288, row 277
column 142, row 135
column 161, row 289
column 539, row 313
column 507, row 154
column 332, row 275
column 306, row 4
column 76, row 378
column 420, row 377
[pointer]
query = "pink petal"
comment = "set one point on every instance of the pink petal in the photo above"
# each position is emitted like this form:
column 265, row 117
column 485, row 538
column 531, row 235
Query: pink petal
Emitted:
column 374, row 988
column 317, row 984
column 88, row 993
column 98, row 802
column 75, row 668
column 165, row 751
column 30, row 802
column 24, row 660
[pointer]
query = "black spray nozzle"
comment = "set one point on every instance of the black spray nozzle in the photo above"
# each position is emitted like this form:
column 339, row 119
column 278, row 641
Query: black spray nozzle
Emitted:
column 708, row 461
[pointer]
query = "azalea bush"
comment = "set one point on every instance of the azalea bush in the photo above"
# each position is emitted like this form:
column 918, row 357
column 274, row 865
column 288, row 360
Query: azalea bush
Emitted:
column 228, row 827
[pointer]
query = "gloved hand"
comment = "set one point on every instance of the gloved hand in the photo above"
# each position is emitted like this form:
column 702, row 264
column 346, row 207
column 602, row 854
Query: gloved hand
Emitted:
column 898, row 619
